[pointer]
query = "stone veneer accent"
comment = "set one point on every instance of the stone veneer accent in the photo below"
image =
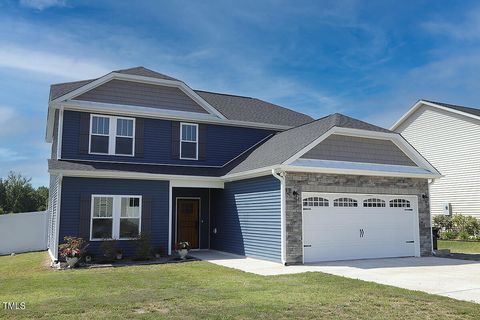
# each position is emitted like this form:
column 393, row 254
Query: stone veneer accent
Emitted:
column 315, row 182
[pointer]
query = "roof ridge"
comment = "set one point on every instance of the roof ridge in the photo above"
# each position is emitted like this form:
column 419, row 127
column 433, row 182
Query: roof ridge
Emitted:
column 223, row 94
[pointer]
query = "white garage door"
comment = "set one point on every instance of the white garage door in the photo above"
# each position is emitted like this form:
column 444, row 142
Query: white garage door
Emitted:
column 358, row 226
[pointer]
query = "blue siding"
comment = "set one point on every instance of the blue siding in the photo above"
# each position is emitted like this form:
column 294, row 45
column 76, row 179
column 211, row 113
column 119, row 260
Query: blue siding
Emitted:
column 204, row 195
column 223, row 142
column 246, row 215
column 72, row 188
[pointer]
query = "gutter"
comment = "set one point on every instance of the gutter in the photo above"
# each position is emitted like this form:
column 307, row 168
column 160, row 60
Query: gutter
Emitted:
column 280, row 175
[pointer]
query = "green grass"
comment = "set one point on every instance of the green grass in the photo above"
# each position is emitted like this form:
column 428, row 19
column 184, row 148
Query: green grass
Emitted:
column 460, row 246
column 203, row 290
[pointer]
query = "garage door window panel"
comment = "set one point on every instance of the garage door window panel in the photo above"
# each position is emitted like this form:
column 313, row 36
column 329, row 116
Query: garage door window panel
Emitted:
column 315, row 202
column 399, row 203
column 345, row 202
column 374, row 203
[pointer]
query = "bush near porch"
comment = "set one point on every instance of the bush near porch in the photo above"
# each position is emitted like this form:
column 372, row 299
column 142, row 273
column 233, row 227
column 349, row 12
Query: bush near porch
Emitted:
column 200, row 290
column 457, row 227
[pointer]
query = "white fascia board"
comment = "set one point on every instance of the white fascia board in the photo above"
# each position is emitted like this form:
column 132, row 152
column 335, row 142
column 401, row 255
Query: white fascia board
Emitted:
column 99, row 107
column 249, row 174
column 192, row 183
column 421, row 103
column 362, row 172
column 213, row 182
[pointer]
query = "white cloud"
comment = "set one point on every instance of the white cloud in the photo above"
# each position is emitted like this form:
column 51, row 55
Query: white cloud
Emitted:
column 6, row 114
column 32, row 60
column 42, row 4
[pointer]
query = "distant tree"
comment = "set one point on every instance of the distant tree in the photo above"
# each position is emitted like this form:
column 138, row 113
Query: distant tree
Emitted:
column 18, row 195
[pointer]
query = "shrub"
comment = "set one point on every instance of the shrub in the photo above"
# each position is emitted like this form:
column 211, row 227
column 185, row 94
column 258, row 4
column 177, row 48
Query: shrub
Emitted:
column 442, row 222
column 448, row 235
column 73, row 247
column 463, row 235
column 143, row 247
column 109, row 249
column 465, row 224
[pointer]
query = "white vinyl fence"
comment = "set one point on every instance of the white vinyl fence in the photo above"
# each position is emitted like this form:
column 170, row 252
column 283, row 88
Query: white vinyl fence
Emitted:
column 23, row 232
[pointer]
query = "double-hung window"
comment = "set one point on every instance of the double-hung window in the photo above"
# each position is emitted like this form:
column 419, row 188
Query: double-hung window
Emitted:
column 112, row 135
column 115, row 217
column 189, row 141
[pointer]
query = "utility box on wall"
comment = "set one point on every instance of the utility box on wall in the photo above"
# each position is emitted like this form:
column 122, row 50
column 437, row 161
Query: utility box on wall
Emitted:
column 447, row 209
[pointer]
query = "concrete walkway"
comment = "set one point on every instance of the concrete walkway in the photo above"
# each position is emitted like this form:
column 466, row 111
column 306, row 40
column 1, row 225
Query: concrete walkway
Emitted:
column 458, row 279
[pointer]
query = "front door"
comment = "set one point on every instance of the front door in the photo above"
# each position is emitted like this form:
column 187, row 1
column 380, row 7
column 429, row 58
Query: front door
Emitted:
column 188, row 218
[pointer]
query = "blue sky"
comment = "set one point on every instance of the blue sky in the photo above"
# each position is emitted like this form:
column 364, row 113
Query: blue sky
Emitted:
column 367, row 59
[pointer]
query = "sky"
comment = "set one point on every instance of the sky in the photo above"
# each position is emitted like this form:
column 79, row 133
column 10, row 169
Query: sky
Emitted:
column 371, row 60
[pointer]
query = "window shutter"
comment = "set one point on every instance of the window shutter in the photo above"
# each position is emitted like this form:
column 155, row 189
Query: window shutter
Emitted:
column 175, row 140
column 84, row 132
column 85, row 212
column 139, row 134
column 146, row 214
column 202, row 141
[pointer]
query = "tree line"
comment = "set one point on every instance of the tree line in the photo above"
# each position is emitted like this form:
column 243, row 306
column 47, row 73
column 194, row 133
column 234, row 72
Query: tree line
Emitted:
column 18, row 195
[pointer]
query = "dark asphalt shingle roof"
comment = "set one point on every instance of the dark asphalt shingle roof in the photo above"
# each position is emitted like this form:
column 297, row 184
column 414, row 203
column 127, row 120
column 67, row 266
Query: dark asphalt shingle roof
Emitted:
column 473, row 111
column 233, row 107
column 284, row 145
column 138, row 168
column 253, row 110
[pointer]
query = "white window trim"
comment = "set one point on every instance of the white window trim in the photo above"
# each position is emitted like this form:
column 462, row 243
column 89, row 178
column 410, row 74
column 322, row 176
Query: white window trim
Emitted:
column 112, row 135
column 116, row 215
column 196, row 140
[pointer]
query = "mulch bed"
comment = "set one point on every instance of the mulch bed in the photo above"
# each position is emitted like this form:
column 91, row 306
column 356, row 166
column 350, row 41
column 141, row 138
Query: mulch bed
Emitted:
column 454, row 255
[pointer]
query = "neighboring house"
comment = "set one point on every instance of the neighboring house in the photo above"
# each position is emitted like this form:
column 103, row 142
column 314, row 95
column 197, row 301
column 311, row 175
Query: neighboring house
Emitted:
column 136, row 151
column 448, row 137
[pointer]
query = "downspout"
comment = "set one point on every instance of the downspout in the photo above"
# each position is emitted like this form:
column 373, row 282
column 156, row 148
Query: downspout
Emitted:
column 280, row 175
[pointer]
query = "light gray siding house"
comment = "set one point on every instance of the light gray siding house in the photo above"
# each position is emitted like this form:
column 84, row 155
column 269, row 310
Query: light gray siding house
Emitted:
column 448, row 137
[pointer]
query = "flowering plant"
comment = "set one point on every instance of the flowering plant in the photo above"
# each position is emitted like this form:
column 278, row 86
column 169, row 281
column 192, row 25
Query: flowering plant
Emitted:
column 73, row 247
column 183, row 245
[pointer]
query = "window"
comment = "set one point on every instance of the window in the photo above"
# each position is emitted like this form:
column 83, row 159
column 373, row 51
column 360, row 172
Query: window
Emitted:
column 345, row 202
column 115, row 217
column 102, row 218
column 189, row 141
column 315, row 202
column 399, row 203
column 112, row 135
column 373, row 203
column 99, row 134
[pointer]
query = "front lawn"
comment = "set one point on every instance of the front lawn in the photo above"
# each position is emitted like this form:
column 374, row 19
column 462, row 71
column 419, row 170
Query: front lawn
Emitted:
column 460, row 246
column 203, row 290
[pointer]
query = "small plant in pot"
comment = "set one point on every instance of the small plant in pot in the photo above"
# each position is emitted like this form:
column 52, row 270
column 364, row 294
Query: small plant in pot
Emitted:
column 72, row 250
column 182, row 249
column 88, row 257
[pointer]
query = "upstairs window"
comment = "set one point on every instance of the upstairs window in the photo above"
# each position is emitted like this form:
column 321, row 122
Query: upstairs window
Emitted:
column 112, row 135
column 188, row 141
column 99, row 134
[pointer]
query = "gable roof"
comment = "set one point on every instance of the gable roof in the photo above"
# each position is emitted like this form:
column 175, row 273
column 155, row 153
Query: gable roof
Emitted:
column 284, row 145
column 231, row 107
column 59, row 89
column 470, row 110
column 466, row 111
column 243, row 108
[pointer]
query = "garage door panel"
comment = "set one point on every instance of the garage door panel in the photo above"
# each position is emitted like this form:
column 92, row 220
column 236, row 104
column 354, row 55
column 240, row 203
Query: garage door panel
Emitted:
column 343, row 233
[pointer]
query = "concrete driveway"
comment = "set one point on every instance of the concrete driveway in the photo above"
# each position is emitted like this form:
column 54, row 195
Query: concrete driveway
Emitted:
column 458, row 279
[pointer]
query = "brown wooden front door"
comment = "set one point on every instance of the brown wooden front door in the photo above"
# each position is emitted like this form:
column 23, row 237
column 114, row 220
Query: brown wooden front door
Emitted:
column 188, row 221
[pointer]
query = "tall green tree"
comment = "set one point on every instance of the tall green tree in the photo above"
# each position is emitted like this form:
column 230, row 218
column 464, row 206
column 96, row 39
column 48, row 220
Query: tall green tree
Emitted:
column 18, row 195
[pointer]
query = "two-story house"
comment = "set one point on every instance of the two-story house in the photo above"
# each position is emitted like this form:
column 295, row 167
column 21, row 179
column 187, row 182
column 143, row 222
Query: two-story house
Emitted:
column 136, row 151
